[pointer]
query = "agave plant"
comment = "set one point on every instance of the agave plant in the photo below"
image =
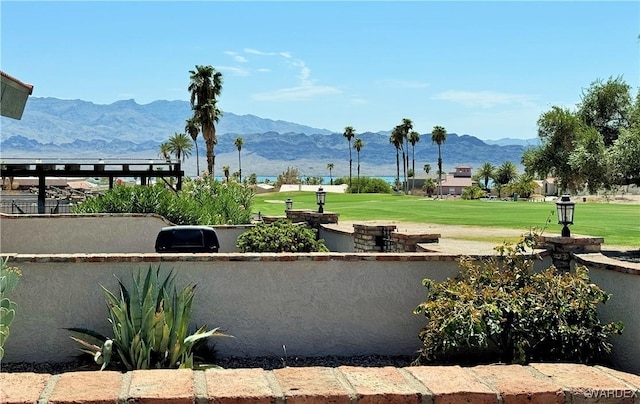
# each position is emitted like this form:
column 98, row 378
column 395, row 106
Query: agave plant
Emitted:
column 150, row 324
column 9, row 277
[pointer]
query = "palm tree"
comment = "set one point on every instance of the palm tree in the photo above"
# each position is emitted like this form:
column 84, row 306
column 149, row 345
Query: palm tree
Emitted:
column 349, row 133
column 439, row 136
column 406, row 127
column 239, row 142
column 358, row 144
column 330, row 167
column 165, row 151
column 505, row 174
column 486, row 171
column 426, row 168
column 225, row 170
column 396, row 140
column 192, row 127
column 429, row 186
column 414, row 137
column 205, row 87
column 180, row 145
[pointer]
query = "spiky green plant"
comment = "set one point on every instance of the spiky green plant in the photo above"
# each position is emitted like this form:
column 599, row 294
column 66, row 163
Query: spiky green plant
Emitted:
column 150, row 324
column 9, row 277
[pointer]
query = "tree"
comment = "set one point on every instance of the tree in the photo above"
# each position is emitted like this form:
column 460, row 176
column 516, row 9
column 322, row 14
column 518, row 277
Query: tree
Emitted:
column 358, row 144
column 192, row 127
column 406, row 127
column 238, row 143
column 396, row 140
column 180, row 145
column 439, row 136
column 486, row 172
column 165, row 151
column 205, row 87
column 225, row 170
column 349, row 133
column 607, row 107
column 625, row 158
column 414, row 137
column 426, row 168
column 588, row 161
column 429, row 186
column 330, row 167
column 505, row 174
column 524, row 185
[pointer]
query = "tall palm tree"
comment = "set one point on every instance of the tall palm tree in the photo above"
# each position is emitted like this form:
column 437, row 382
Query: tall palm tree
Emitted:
column 439, row 136
column 486, row 172
column 180, row 145
column 205, row 87
column 358, row 144
column 414, row 137
column 396, row 140
column 239, row 142
column 330, row 167
column 505, row 174
column 406, row 126
column 192, row 127
column 349, row 133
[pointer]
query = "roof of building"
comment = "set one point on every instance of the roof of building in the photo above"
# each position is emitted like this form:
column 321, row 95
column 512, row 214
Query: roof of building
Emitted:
column 29, row 87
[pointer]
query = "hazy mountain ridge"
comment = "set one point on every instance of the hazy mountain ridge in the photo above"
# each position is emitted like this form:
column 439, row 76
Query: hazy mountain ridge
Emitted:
column 67, row 128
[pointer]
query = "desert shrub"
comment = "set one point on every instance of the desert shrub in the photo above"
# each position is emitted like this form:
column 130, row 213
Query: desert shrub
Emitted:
column 501, row 303
column 368, row 185
column 202, row 201
column 9, row 277
column 473, row 192
column 280, row 236
column 150, row 324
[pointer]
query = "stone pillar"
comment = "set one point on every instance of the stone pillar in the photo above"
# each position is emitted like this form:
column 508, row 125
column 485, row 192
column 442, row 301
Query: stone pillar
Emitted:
column 373, row 238
column 562, row 248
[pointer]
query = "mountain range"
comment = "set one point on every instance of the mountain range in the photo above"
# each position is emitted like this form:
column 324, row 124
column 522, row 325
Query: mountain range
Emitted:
column 55, row 128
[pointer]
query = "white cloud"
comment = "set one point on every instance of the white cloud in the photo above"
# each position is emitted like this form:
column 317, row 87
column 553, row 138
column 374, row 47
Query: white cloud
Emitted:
column 484, row 99
column 236, row 71
column 264, row 70
column 401, row 84
column 298, row 93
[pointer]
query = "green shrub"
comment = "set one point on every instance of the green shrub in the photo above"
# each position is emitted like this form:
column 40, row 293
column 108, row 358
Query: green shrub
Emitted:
column 473, row 192
column 368, row 185
column 9, row 277
column 280, row 236
column 150, row 323
column 501, row 303
column 201, row 201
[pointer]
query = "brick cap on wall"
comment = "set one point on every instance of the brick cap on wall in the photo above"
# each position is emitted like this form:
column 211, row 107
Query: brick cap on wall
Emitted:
column 548, row 383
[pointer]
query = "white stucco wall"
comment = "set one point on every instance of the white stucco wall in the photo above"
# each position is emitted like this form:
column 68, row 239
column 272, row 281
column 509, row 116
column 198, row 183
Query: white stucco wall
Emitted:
column 323, row 304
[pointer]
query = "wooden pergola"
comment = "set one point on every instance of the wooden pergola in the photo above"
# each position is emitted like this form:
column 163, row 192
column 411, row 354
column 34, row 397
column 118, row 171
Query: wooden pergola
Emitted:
column 143, row 169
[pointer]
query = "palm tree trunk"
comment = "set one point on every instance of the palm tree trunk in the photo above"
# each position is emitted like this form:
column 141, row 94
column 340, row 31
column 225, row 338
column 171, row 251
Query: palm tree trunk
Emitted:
column 358, row 172
column 197, row 159
column 439, row 173
column 239, row 166
column 397, row 167
column 350, row 163
column 413, row 167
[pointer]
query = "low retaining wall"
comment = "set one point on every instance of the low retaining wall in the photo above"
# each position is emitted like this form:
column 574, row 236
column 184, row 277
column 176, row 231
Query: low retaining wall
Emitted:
column 93, row 233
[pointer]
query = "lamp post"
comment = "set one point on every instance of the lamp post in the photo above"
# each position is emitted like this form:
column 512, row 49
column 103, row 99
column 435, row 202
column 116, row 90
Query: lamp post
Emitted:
column 288, row 204
column 320, row 199
column 565, row 208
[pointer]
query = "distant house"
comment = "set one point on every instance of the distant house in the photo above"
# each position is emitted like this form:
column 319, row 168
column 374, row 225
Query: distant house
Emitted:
column 546, row 187
column 455, row 183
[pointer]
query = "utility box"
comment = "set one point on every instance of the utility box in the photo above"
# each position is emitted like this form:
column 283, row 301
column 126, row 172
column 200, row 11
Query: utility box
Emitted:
column 187, row 239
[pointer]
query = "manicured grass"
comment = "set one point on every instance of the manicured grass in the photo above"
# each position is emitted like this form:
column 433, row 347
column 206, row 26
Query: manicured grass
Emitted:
column 619, row 224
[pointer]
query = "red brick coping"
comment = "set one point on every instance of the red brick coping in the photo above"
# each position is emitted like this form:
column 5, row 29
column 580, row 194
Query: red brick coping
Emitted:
column 537, row 383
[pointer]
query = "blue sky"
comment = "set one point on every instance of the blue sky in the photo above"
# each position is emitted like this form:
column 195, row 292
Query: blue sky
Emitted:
column 487, row 69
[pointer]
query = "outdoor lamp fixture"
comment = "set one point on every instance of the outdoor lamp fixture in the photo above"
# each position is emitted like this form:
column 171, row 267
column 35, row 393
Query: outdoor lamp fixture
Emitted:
column 565, row 214
column 289, row 204
column 320, row 198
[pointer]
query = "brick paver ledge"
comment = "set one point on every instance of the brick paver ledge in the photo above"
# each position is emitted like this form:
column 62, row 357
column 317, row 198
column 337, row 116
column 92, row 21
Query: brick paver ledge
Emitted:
column 537, row 383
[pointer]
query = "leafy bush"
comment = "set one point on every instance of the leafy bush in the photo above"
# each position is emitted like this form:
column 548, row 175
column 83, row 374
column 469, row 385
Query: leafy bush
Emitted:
column 502, row 304
column 280, row 236
column 368, row 185
column 473, row 192
column 9, row 277
column 201, row 201
column 150, row 324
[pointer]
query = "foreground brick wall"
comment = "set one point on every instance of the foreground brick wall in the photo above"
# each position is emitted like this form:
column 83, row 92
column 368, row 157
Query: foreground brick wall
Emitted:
column 538, row 383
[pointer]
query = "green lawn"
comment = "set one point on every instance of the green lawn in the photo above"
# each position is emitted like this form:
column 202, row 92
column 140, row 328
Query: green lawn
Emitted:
column 619, row 224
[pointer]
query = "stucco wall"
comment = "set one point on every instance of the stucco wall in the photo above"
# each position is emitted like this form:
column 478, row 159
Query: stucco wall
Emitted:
column 101, row 233
column 314, row 304
column 336, row 240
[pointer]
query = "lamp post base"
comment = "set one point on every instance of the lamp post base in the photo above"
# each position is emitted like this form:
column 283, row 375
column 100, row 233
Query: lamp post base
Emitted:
column 565, row 231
